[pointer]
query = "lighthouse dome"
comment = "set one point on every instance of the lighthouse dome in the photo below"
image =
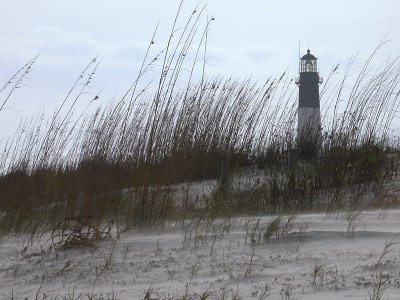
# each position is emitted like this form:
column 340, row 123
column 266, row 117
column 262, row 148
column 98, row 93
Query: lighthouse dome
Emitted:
column 308, row 55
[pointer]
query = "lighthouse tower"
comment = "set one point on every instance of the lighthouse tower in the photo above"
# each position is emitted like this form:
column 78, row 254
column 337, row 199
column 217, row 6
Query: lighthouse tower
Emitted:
column 309, row 130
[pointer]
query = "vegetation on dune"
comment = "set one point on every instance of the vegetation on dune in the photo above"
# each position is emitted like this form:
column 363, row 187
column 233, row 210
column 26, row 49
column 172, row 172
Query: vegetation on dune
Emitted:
column 120, row 162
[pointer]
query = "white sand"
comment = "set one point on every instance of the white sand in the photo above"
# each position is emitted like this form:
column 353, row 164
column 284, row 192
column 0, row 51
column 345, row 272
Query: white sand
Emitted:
column 221, row 260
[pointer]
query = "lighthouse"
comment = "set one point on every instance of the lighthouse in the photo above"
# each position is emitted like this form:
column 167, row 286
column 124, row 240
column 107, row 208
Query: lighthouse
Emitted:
column 309, row 130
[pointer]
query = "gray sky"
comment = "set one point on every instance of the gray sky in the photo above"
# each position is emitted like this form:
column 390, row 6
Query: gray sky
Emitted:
column 256, row 38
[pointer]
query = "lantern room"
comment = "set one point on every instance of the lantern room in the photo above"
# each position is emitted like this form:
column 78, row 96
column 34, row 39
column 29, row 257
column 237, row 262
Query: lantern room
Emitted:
column 308, row 63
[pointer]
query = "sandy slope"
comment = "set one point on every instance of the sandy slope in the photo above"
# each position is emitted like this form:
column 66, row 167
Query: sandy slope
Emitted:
column 218, row 258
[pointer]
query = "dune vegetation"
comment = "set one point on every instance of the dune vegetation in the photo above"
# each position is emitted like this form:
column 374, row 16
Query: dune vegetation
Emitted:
column 124, row 161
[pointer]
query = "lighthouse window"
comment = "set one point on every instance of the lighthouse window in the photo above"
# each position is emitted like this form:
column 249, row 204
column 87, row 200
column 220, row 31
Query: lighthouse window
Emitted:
column 309, row 65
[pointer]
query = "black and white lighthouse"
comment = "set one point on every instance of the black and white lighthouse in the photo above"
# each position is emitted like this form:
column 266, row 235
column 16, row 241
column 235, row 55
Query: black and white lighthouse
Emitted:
column 309, row 130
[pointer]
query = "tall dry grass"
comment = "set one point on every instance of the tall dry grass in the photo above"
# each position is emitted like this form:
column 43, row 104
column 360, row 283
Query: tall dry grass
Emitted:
column 120, row 162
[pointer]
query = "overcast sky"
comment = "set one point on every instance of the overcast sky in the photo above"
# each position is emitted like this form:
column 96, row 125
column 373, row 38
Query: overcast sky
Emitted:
column 256, row 38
